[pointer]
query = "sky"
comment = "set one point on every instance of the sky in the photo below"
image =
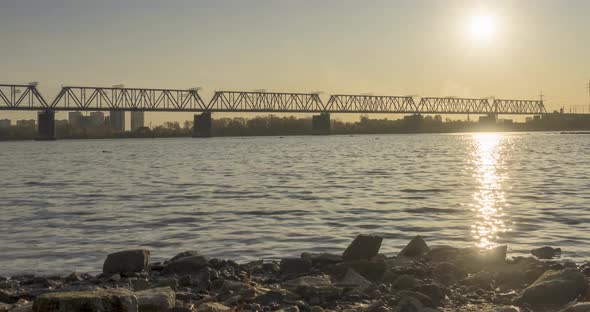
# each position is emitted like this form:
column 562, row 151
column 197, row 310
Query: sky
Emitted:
column 501, row 48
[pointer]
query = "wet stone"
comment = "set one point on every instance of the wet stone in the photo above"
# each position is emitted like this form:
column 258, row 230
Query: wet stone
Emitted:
column 546, row 252
column 156, row 299
column 111, row 300
column 186, row 265
column 295, row 265
column 363, row 247
column 127, row 261
column 554, row 287
column 415, row 249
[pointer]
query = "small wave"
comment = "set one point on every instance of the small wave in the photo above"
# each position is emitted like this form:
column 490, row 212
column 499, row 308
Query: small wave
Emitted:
column 433, row 190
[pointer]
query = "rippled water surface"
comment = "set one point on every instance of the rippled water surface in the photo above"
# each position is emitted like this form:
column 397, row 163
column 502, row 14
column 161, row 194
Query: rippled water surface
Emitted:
column 64, row 205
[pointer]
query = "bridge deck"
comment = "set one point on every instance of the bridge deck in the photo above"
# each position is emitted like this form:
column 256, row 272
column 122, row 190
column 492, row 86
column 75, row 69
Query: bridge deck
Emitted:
column 27, row 98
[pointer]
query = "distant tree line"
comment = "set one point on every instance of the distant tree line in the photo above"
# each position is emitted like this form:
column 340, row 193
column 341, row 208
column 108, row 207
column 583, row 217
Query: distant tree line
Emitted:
column 275, row 125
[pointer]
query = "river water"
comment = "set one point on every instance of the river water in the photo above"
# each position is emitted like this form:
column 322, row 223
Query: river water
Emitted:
column 64, row 205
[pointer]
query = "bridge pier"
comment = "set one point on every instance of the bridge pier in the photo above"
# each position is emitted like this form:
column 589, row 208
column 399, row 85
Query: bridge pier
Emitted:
column 45, row 126
column 202, row 125
column 320, row 124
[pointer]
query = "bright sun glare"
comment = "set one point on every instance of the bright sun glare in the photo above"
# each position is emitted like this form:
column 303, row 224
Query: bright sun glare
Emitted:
column 482, row 27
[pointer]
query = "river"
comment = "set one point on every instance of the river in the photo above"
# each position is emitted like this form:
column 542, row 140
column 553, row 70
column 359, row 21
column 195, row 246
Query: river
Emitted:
column 64, row 205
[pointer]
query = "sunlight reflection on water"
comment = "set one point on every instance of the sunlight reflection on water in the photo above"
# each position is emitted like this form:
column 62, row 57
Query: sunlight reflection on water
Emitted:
column 489, row 201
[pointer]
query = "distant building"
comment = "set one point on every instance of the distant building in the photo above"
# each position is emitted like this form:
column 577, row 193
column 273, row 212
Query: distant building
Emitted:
column 75, row 118
column 30, row 123
column 97, row 118
column 137, row 120
column 4, row 123
column 117, row 120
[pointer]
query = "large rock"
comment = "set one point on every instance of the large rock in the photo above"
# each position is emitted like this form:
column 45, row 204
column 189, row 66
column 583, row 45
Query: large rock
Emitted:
column 295, row 265
column 353, row 280
column 126, row 261
column 546, row 252
column 372, row 270
column 186, row 265
column 578, row 307
column 213, row 307
column 363, row 247
column 554, row 288
column 184, row 254
column 156, row 299
column 415, row 249
column 107, row 300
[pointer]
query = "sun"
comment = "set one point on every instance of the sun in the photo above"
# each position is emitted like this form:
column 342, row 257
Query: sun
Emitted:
column 482, row 27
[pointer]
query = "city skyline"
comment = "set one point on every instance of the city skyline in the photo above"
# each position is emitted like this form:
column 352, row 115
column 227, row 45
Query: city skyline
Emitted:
column 513, row 49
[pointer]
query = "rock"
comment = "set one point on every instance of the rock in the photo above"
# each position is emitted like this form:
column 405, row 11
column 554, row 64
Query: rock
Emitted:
column 405, row 282
column 295, row 265
column 363, row 247
column 425, row 300
column 371, row 269
column 74, row 277
column 323, row 280
column 156, row 299
column 168, row 282
column 322, row 258
column 269, row 298
column 127, row 261
column 546, row 252
column 482, row 280
column 434, row 292
column 213, row 307
column 317, row 309
column 186, row 265
column 115, row 278
column 353, row 280
column 6, row 297
column 415, row 249
column 578, row 307
column 554, row 288
column 507, row 309
column 289, row 309
column 23, row 308
column 4, row 307
column 447, row 270
column 107, row 300
column 409, row 304
column 140, row 284
column 184, row 254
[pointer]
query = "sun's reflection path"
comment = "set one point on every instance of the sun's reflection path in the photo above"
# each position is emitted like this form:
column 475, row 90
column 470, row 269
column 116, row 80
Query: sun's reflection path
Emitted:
column 489, row 199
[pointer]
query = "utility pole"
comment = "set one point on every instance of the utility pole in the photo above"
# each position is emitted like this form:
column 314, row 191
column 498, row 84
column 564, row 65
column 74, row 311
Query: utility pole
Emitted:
column 588, row 96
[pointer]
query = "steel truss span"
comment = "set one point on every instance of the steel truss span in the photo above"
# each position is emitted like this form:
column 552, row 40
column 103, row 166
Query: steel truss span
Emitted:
column 371, row 104
column 27, row 97
column 258, row 101
column 21, row 97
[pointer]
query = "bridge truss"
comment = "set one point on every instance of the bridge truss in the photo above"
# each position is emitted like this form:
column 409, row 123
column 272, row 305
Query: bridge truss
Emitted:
column 27, row 97
column 261, row 101
column 21, row 97
column 370, row 104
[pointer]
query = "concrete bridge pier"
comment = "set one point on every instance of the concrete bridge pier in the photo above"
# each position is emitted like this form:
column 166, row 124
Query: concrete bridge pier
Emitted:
column 46, row 126
column 202, row 125
column 320, row 124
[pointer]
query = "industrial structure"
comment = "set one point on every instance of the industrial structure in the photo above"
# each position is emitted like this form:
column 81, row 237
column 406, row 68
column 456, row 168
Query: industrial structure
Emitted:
column 118, row 99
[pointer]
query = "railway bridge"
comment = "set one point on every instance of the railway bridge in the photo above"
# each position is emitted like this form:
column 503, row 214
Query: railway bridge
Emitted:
column 26, row 97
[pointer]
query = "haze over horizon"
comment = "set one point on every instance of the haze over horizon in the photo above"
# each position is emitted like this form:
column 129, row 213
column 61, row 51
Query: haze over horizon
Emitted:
column 509, row 49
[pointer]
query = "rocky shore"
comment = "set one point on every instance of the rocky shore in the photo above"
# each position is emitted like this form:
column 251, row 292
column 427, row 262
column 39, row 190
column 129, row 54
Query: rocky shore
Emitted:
column 419, row 279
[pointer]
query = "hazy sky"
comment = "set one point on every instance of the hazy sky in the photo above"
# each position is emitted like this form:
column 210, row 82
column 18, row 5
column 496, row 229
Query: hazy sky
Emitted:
column 404, row 47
